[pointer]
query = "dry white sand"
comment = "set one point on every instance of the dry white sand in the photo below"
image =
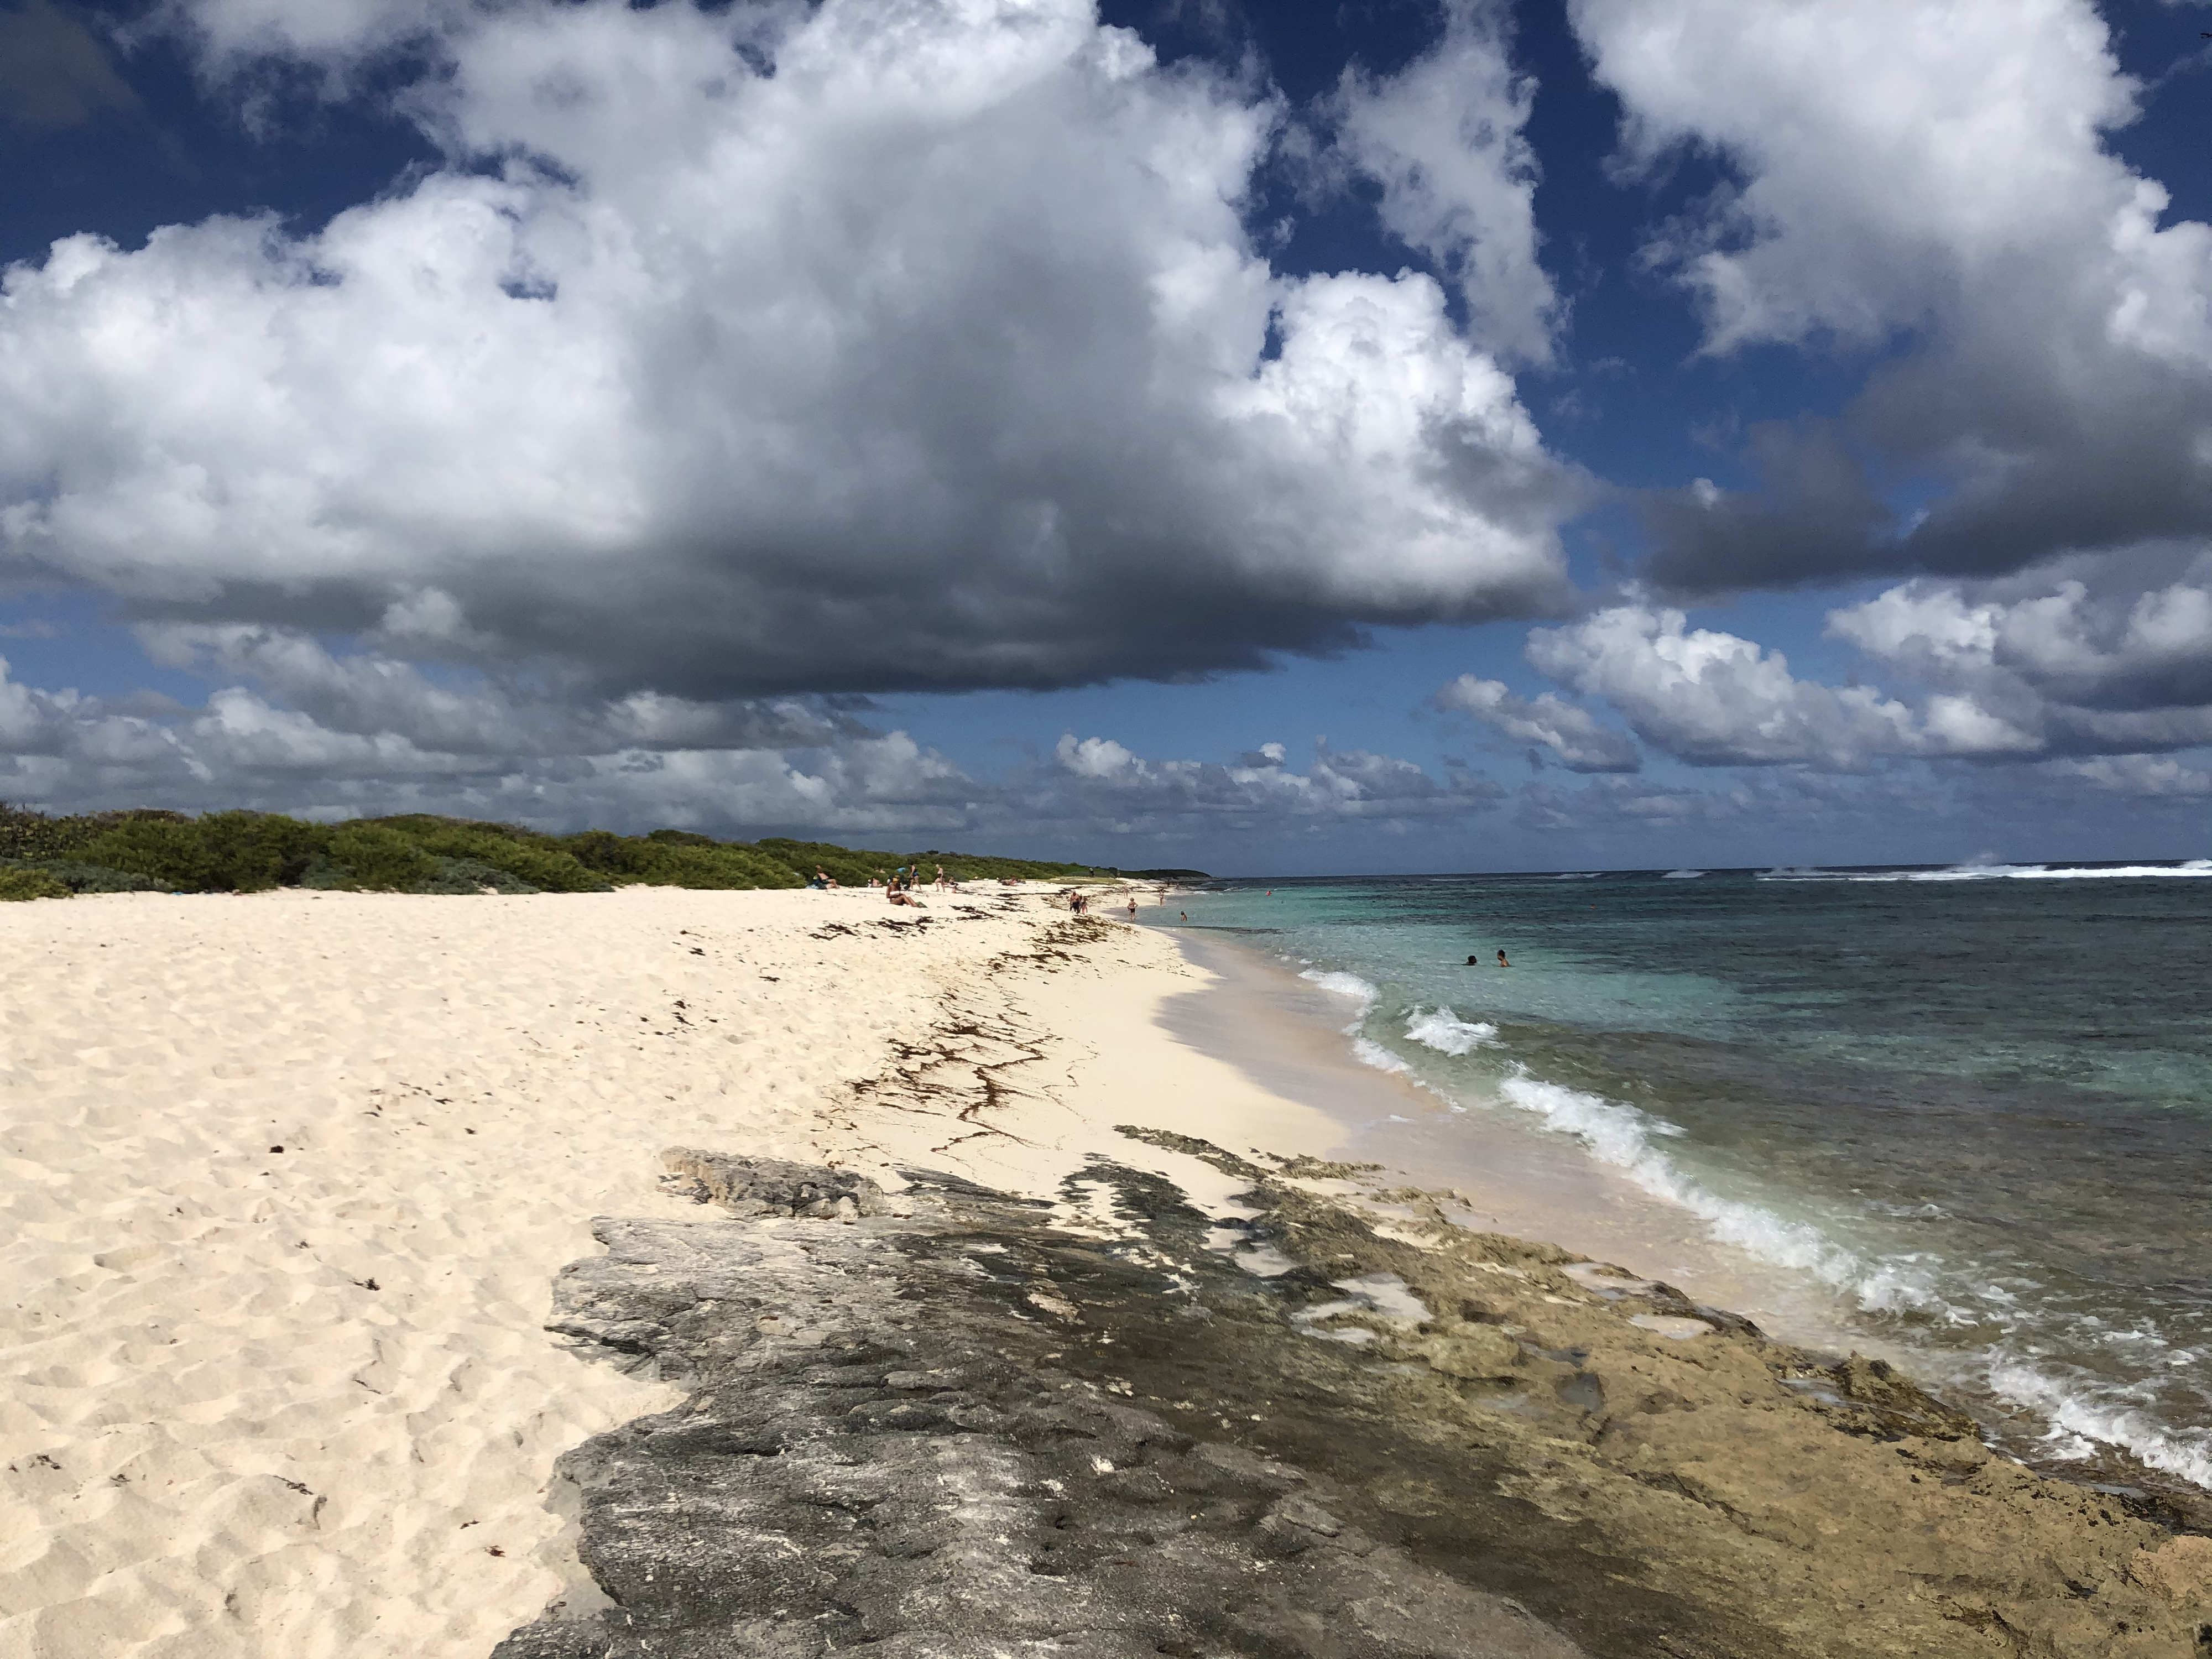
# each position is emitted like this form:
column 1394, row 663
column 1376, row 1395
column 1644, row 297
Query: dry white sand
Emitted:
column 299, row 1402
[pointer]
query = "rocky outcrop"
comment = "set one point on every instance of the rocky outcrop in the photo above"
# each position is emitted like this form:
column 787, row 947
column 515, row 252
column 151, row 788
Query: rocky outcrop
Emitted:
column 770, row 1185
column 965, row 1430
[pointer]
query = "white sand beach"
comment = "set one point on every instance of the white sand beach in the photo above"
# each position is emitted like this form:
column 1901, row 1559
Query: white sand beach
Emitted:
column 289, row 1177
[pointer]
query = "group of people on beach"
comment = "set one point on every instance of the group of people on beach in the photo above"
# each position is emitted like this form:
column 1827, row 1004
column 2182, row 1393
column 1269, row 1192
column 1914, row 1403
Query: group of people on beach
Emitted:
column 1080, row 903
column 898, row 885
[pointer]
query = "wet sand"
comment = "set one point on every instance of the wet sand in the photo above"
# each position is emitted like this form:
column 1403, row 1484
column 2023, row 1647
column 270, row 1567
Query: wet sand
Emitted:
column 1288, row 1035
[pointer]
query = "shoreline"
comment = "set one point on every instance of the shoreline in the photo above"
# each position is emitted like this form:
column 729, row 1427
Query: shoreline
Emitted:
column 262, row 1400
column 1511, row 1177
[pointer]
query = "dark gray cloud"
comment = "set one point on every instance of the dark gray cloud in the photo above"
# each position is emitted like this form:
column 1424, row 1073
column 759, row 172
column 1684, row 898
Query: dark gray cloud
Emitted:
column 1814, row 519
column 937, row 357
column 55, row 73
column 1939, row 190
column 2091, row 656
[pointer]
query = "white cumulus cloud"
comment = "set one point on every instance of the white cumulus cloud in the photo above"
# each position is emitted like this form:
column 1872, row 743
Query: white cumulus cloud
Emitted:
column 1717, row 699
column 912, row 343
column 1570, row 733
column 1444, row 138
column 1935, row 182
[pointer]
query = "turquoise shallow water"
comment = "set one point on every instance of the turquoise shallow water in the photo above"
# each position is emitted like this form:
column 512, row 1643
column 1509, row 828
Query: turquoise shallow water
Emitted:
column 1972, row 1107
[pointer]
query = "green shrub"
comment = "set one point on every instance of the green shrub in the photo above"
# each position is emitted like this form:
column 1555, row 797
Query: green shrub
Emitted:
column 602, row 850
column 853, row 866
column 676, row 857
column 380, row 858
column 724, row 865
column 523, row 853
column 459, row 875
column 87, row 878
column 146, row 849
column 18, row 883
column 26, row 833
column 222, row 851
column 322, row 876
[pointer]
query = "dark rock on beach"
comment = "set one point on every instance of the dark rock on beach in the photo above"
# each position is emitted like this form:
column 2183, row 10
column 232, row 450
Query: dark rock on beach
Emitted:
column 770, row 1185
column 974, row 1428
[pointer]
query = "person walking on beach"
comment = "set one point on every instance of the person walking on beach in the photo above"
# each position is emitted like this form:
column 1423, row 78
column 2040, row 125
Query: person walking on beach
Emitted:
column 1133, row 907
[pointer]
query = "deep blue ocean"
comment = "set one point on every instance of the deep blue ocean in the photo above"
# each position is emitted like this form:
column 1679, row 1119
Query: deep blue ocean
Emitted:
column 1971, row 1109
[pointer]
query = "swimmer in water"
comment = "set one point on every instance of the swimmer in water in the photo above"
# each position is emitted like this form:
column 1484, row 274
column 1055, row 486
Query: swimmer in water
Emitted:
column 1502, row 961
column 1474, row 961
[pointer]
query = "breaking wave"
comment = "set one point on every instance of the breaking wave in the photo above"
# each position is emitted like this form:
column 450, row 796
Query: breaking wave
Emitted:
column 1992, row 871
column 1343, row 985
column 2079, row 1417
column 1448, row 1034
column 1626, row 1139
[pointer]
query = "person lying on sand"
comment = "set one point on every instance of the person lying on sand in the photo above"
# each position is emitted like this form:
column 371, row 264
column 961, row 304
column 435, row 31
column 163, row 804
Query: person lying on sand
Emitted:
column 897, row 896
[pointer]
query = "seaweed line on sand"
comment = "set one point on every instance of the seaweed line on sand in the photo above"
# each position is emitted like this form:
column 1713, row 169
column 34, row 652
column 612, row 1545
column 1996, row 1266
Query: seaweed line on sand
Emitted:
column 967, row 1064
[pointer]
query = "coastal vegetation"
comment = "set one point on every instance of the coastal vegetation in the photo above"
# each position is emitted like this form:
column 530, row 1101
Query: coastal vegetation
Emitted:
column 152, row 850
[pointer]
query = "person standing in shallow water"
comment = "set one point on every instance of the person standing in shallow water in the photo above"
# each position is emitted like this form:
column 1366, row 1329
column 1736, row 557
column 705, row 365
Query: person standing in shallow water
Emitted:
column 1502, row 961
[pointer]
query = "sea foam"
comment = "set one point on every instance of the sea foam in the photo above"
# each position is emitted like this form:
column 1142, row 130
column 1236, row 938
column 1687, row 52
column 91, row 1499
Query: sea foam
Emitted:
column 1371, row 1052
column 1981, row 869
column 1349, row 986
column 1626, row 1138
column 2076, row 1417
column 1448, row 1034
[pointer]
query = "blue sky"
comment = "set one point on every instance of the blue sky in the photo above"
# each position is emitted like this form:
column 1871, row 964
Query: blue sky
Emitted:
column 1281, row 438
